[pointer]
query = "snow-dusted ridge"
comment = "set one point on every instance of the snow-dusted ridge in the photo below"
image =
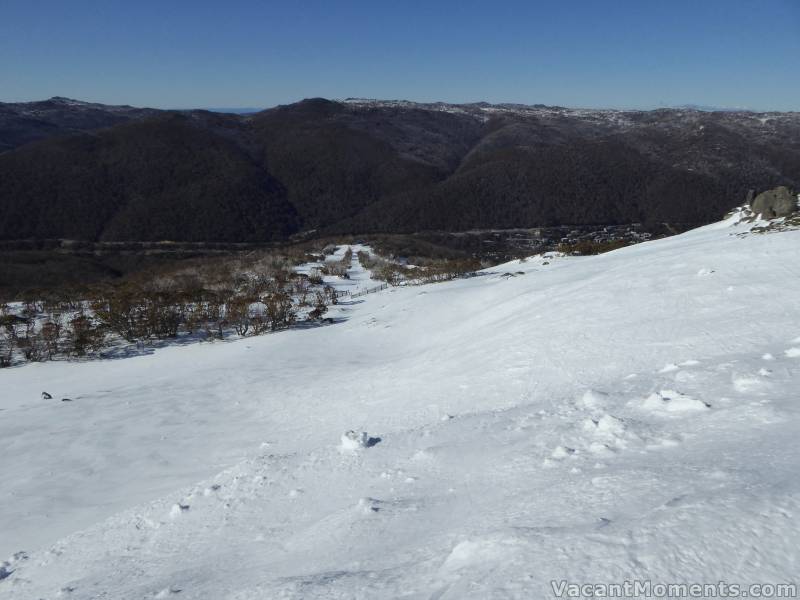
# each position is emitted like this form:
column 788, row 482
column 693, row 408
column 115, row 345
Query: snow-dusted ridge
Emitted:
column 617, row 116
column 759, row 125
column 631, row 415
column 484, row 110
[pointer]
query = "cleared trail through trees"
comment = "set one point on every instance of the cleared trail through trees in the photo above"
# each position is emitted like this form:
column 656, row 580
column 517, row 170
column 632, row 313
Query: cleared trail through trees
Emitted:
column 378, row 288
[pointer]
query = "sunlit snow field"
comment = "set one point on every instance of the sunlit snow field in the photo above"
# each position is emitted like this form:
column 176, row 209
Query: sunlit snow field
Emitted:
column 633, row 415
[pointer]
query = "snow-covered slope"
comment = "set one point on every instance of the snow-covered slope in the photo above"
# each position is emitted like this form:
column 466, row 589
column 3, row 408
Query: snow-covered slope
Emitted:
column 632, row 415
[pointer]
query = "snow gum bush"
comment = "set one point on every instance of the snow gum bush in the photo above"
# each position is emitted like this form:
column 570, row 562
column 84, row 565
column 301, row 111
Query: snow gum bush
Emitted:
column 205, row 299
column 85, row 335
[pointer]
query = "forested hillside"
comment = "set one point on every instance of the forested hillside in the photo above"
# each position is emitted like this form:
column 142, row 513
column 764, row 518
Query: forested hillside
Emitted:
column 369, row 166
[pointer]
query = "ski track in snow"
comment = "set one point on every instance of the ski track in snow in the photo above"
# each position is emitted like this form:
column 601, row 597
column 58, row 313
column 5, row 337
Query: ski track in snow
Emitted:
column 595, row 420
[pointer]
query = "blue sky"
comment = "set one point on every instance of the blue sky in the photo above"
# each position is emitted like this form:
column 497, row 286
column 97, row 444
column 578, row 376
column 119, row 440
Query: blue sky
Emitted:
column 609, row 53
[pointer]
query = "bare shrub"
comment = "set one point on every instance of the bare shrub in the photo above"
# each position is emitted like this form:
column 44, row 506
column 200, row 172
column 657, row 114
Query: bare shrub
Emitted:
column 85, row 335
column 238, row 314
column 320, row 306
column 280, row 311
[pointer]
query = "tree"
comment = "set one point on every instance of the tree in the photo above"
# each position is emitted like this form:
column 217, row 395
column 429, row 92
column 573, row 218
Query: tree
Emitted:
column 85, row 335
column 301, row 288
column 320, row 307
column 280, row 311
column 210, row 313
column 51, row 336
column 29, row 341
column 122, row 311
column 238, row 314
column 8, row 343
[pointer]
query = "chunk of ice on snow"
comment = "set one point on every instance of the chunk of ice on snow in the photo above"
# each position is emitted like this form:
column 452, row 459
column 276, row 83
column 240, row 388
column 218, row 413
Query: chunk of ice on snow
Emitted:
column 178, row 509
column 562, row 452
column 353, row 440
column 610, row 425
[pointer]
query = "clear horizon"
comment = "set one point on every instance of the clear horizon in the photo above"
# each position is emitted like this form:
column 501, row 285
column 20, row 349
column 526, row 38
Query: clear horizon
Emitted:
column 247, row 54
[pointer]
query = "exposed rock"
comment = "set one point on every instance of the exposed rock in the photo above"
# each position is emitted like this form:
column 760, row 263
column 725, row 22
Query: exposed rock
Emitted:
column 779, row 202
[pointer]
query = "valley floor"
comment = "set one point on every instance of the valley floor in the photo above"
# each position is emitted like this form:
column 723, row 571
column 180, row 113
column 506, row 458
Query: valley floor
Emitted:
column 627, row 416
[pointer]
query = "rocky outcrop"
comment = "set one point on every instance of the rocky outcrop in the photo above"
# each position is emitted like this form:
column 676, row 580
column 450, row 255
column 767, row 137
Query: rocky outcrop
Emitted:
column 779, row 202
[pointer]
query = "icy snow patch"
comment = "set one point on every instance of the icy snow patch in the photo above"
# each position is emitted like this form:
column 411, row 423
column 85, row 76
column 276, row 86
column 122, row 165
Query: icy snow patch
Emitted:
column 672, row 401
column 747, row 384
column 481, row 552
column 606, row 424
column 592, row 399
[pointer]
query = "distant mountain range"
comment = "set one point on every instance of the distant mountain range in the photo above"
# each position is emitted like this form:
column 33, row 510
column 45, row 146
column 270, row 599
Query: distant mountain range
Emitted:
column 78, row 170
column 24, row 122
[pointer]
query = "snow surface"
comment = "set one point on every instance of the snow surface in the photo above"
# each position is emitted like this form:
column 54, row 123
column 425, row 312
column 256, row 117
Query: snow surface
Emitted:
column 521, row 430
